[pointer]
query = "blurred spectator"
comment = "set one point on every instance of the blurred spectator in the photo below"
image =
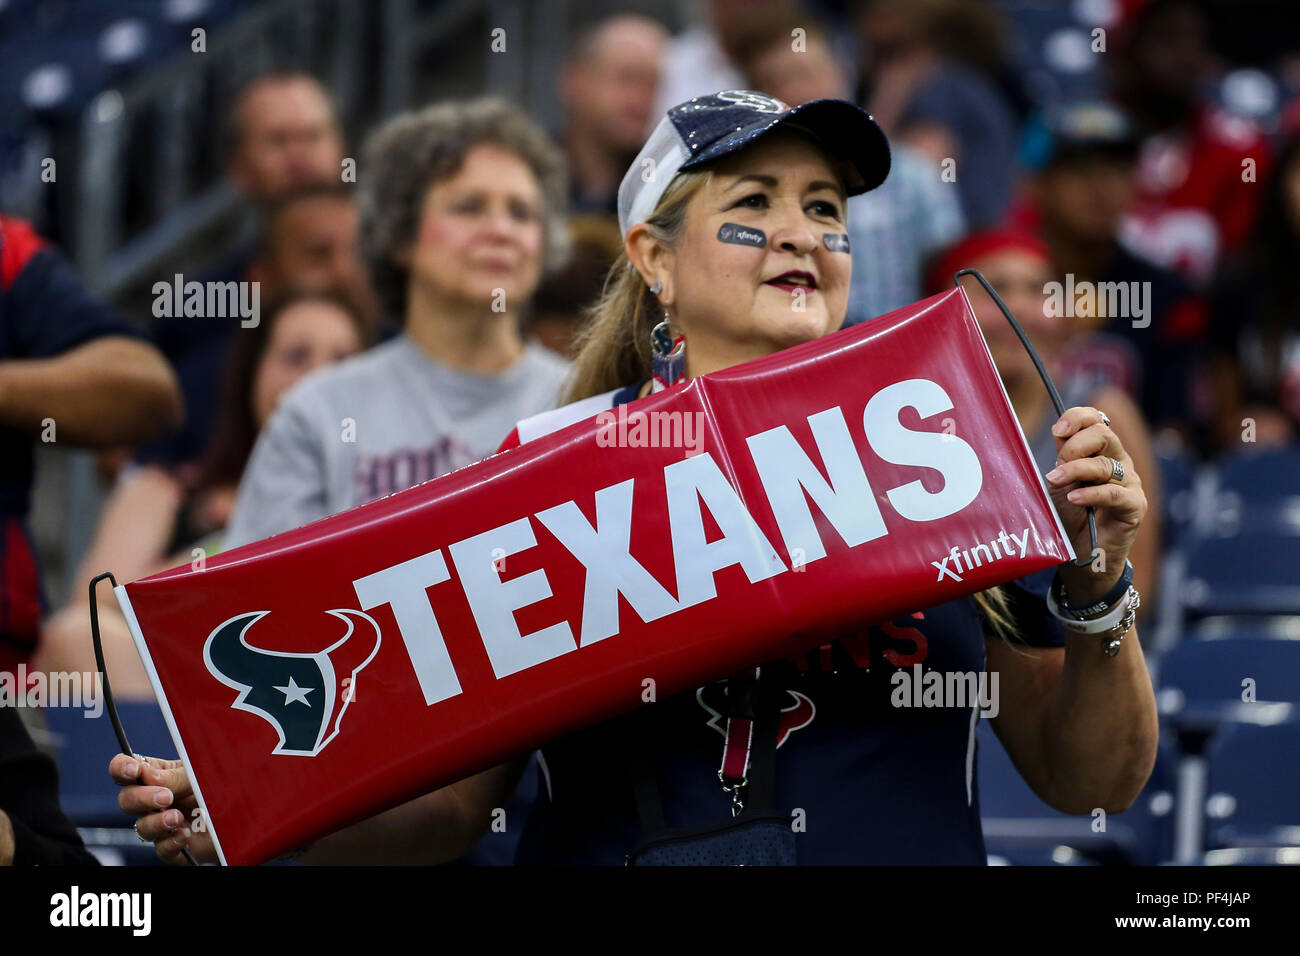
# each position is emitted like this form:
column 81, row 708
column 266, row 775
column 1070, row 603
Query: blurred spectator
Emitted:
column 1194, row 200
column 925, row 97
column 282, row 141
column 701, row 60
column 156, row 517
column 1255, row 319
column 281, row 135
column 462, row 209
column 1147, row 337
column 560, row 306
column 893, row 228
column 608, row 87
column 1018, row 265
column 71, row 370
column 309, row 240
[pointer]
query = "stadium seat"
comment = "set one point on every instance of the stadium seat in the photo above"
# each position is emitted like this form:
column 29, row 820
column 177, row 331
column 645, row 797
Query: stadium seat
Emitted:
column 86, row 745
column 1253, row 792
column 1269, row 473
column 1250, row 493
column 1052, row 49
column 1020, row 829
column 58, row 82
column 1212, row 672
column 1209, row 684
column 1177, row 478
column 1261, row 627
column 128, row 42
column 1059, row 855
column 86, row 792
column 1244, row 574
column 17, row 17
column 1233, row 513
column 1253, row 856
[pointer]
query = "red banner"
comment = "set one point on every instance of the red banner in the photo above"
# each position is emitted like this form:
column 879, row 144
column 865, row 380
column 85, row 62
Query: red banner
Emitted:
column 327, row 673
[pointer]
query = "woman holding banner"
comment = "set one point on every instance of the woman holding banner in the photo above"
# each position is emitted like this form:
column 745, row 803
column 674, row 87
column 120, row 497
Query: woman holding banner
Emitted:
column 733, row 218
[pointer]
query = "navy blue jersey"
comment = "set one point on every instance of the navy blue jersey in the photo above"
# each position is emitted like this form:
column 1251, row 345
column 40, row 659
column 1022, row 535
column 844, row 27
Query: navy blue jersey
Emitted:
column 868, row 781
column 199, row 350
column 44, row 311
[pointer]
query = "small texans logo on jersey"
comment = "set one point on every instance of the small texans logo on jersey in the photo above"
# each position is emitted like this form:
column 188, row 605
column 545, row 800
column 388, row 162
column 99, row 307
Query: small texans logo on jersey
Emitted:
column 799, row 713
column 303, row 696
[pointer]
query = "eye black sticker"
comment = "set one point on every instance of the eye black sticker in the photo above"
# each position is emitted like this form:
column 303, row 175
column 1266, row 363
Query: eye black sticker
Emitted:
column 742, row 235
column 836, row 241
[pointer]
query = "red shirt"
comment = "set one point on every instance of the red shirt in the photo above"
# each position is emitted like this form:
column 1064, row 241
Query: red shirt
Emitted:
column 1193, row 204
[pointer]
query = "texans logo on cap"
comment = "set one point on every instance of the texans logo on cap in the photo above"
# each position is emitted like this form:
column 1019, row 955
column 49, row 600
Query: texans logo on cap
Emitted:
column 707, row 128
column 755, row 101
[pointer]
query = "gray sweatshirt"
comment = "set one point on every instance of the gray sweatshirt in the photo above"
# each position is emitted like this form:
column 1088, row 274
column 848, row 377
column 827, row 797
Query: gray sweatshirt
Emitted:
column 378, row 423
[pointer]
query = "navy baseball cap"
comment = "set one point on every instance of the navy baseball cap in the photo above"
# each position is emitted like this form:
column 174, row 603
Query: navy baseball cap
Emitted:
column 1091, row 128
column 707, row 128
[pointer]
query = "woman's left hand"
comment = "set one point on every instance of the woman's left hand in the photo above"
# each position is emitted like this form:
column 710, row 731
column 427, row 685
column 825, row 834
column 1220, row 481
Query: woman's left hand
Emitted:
column 1086, row 449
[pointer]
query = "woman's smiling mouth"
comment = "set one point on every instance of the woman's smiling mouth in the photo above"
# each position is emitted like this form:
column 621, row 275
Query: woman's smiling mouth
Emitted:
column 794, row 280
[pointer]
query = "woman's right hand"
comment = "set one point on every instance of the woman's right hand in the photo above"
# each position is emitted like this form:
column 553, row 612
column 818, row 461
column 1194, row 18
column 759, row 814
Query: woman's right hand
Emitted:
column 158, row 793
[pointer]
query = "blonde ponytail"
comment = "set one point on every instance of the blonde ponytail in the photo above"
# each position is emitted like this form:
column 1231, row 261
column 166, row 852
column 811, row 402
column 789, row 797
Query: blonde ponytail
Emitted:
column 613, row 348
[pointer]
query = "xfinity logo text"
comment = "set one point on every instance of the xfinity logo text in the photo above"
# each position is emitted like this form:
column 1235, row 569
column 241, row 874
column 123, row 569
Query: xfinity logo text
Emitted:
column 961, row 560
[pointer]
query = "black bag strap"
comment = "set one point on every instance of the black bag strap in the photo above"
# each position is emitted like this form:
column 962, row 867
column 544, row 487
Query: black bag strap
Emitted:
column 760, row 794
column 645, row 786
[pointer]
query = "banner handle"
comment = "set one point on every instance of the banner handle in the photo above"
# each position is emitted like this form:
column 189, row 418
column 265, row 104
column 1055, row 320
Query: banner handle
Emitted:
column 1047, row 380
column 103, row 679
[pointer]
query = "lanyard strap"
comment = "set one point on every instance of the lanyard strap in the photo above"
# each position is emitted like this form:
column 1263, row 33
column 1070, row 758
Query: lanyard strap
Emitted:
column 748, row 765
column 738, row 744
column 748, row 770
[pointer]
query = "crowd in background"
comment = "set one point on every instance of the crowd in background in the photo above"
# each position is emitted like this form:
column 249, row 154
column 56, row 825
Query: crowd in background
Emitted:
column 436, row 301
column 473, row 242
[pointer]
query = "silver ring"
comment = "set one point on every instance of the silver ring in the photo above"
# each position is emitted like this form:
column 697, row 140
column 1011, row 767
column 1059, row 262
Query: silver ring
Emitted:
column 1105, row 419
column 136, row 828
column 1116, row 472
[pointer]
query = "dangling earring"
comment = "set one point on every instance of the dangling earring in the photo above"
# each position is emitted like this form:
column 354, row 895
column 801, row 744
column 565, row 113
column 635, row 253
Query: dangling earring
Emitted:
column 667, row 353
column 657, row 287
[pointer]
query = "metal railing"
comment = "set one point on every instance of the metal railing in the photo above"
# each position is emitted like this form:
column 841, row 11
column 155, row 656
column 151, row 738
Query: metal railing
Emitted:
column 183, row 194
column 376, row 57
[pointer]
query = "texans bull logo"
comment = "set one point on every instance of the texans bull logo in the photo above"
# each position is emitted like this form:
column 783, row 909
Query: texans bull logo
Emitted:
column 303, row 696
column 798, row 714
